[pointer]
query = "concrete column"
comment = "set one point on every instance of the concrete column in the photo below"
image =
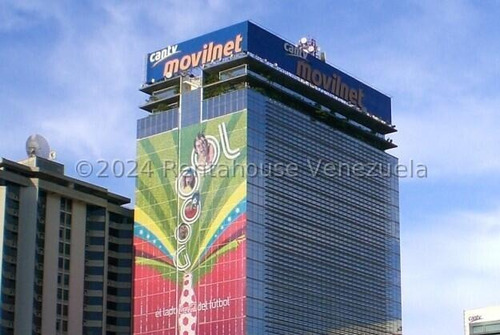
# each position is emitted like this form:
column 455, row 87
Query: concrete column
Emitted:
column 50, row 263
column 3, row 199
column 25, row 276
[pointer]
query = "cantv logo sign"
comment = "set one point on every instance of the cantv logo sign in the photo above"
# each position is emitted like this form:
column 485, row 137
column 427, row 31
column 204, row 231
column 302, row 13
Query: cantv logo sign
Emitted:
column 475, row 318
column 293, row 50
column 206, row 53
column 157, row 57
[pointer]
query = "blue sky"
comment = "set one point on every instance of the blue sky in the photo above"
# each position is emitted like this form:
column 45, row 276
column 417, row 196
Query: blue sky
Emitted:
column 71, row 72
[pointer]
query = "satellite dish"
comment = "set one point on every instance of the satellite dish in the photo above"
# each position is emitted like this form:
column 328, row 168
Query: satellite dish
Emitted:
column 37, row 145
column 303, row 40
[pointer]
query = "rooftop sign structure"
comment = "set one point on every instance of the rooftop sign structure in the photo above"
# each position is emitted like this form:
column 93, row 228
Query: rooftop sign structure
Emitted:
column 246, row 37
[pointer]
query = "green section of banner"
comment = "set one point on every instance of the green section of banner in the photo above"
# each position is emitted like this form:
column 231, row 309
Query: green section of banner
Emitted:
column 190, row 183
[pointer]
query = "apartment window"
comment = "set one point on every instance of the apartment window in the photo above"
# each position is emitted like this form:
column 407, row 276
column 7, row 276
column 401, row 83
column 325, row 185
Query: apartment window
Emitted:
column 63, row 276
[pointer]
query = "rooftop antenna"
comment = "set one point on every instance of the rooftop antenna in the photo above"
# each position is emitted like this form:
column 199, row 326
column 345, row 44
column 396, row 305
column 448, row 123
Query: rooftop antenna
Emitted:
column 37, row 145
column 310, row 46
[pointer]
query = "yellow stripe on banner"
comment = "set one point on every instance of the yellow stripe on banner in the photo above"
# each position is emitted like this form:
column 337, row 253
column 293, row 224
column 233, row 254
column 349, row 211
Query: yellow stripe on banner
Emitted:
column 144, row 219
column 238, row 195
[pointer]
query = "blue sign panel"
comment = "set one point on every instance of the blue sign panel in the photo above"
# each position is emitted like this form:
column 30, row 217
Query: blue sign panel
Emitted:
column 199, row 51
column 317, row 72
column 247, row 36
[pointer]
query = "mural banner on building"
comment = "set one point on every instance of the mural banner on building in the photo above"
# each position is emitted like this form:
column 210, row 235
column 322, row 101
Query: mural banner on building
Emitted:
column 189, row 235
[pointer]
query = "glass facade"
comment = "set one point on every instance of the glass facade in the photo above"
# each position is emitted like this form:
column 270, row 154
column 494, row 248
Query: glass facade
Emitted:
column 319, row 246
column 157, row 123
column 190, row 218
column 491, row 328
column 322, row 248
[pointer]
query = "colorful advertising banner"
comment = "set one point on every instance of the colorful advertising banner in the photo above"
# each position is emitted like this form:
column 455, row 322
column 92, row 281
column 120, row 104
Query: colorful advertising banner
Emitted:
column 248, row 37
column 189, row 238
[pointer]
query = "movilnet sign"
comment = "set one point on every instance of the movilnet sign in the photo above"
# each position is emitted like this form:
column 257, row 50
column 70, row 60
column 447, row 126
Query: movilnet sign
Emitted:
column 196, row 52
column 248, row 37
column 208, row 53
column 331, row 83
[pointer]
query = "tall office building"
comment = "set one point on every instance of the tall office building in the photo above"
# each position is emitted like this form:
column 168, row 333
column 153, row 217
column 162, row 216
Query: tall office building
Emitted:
column 265, row 203
column 65, row 253
column 482, row 321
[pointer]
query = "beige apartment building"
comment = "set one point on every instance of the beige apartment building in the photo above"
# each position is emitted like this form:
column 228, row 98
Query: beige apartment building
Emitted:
column 65, row 253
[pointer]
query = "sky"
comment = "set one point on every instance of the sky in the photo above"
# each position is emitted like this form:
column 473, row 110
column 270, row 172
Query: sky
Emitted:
column 70, row 71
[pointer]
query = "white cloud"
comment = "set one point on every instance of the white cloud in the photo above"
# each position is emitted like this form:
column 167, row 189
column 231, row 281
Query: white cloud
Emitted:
column 456, row 137
column 96, row 67
column 87, row 94
column 16, row 15
column 439, row 65
column 450, row 263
